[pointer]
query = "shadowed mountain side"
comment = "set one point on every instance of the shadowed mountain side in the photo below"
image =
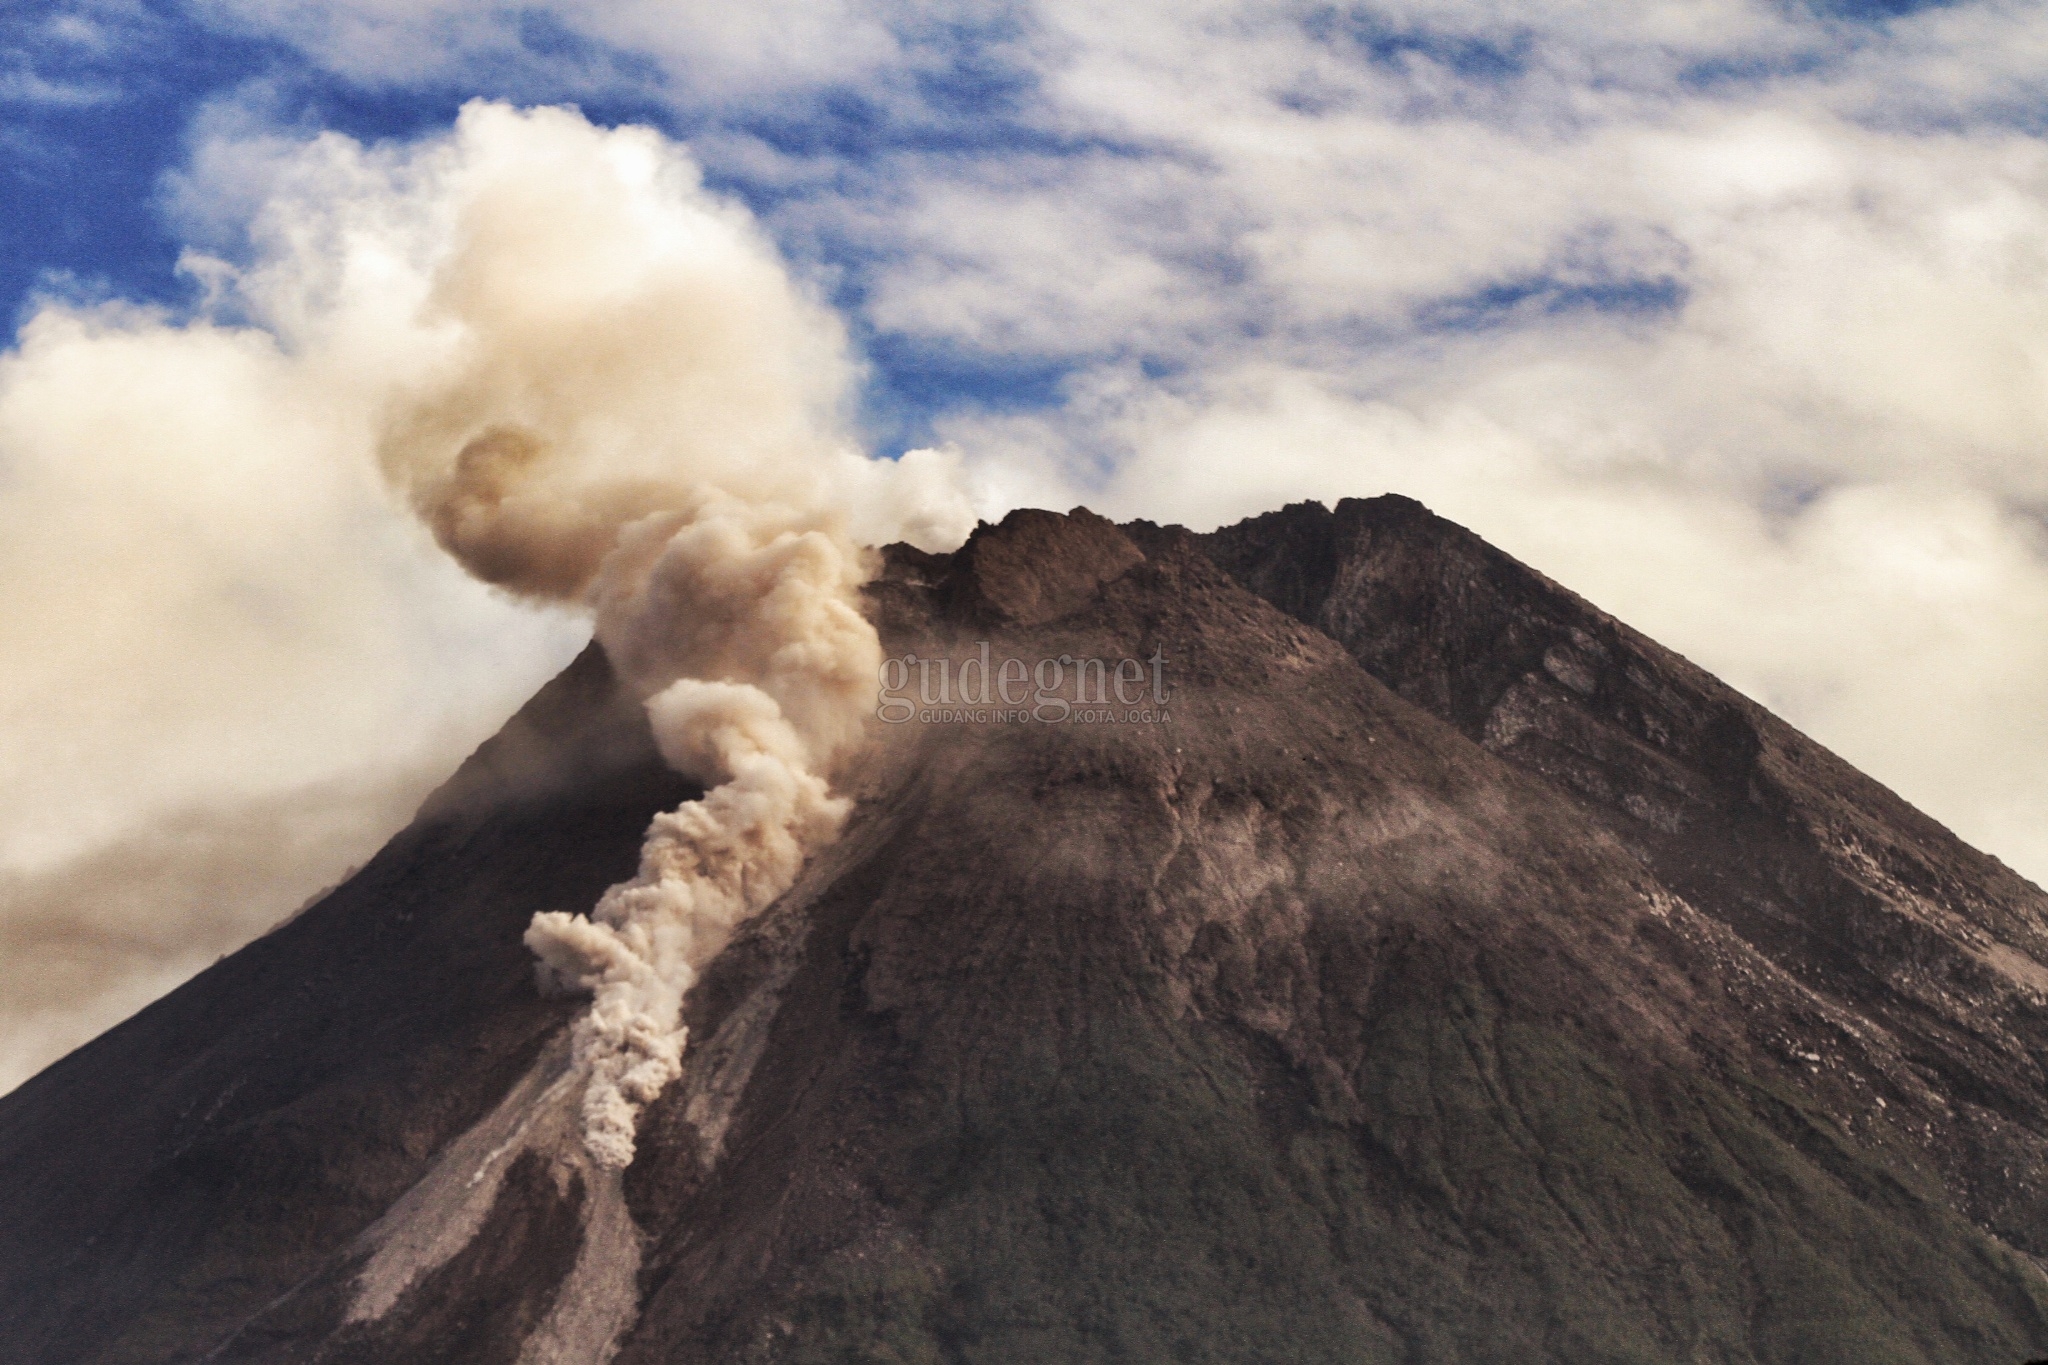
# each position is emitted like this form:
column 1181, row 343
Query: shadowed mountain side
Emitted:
column 171, row 1178
column 1922, row 955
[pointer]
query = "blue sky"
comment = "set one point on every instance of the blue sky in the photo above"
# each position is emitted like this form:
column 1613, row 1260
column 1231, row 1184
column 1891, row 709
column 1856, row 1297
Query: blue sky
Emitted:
column 1730, row 314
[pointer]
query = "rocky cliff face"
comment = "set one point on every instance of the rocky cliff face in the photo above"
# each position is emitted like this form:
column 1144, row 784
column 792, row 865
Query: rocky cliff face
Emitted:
column 1441, row 973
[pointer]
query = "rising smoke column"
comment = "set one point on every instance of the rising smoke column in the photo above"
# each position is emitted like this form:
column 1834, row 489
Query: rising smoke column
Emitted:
column 597, row 385
column 759, row 668
column 704, row 599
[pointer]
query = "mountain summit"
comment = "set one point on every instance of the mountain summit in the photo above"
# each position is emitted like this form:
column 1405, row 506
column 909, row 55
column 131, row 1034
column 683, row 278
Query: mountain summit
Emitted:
column 1322, row 940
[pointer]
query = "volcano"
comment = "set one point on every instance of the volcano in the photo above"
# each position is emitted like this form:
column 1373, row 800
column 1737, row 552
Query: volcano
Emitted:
column 1339, row 944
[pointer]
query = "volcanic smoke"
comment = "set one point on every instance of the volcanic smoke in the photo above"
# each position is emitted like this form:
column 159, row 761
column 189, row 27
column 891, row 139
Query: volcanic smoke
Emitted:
column 620, row 401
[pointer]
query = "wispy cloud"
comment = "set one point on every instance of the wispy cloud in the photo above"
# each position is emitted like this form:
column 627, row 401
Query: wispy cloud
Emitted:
column 71, row 56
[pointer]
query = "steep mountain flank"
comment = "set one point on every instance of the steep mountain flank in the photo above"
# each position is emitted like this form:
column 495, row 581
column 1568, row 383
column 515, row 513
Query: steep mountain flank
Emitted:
column 1888, row 921
column 1438, row 973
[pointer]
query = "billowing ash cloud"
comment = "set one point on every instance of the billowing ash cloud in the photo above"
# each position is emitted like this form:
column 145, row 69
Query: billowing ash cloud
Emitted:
column 617, row 397
column 596, row 386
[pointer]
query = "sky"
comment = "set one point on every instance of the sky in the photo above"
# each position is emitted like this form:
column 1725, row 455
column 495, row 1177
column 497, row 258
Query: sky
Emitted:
column 1732, row 316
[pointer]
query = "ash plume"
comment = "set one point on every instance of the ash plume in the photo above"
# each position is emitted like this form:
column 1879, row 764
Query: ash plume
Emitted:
column 758, row 669
column 595, row 385
column 620, row 400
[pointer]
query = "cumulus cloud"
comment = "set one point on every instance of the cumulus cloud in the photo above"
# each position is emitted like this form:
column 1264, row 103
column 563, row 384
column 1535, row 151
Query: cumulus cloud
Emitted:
column 205, row 609
column 207, row 603
column 205, row 596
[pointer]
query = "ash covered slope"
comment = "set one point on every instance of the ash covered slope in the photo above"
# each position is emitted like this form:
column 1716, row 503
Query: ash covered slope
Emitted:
column 1302, row 1027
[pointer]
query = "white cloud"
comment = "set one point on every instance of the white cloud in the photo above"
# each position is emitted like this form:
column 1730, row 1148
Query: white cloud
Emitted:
column 1035, row 257
column 207, row 593
column 58, row 59
column 1901, row 620
column 1816, row 471
column 207, row 604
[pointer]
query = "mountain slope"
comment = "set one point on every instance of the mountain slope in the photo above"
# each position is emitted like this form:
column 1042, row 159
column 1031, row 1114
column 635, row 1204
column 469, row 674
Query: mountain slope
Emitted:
column 1932, row 948
column 1367, row 1009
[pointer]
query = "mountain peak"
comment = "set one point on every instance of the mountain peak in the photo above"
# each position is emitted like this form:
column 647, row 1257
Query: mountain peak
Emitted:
column 1034, row 565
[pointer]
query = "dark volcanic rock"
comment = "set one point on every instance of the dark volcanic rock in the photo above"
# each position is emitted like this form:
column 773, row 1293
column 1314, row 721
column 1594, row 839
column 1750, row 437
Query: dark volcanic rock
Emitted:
column 1455, row 976
column 1035, row 567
